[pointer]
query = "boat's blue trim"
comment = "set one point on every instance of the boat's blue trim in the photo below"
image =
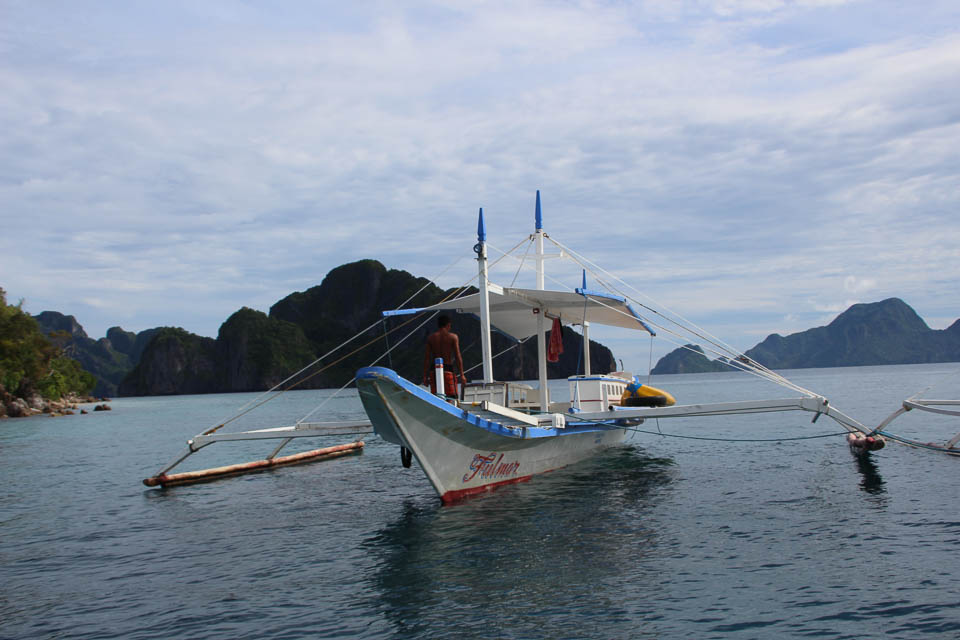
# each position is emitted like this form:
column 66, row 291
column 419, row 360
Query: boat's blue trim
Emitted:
column 640, row 320
column 599, row 294
column 599, row 377
column 609, row 296
column 380, row 373
column 402, row 312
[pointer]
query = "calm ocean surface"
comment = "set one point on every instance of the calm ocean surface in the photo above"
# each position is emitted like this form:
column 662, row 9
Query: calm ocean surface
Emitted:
column 659, row 538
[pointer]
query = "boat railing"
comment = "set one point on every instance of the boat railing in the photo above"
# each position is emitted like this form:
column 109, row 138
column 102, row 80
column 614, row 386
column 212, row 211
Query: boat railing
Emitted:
column 515, row 395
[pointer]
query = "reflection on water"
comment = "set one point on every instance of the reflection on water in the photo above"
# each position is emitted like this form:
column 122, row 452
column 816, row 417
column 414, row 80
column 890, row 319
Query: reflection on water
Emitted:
column 554, row 542
column 872, row 482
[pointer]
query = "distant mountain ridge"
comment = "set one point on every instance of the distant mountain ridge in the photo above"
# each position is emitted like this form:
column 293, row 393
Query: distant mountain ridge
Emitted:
column 877, row 333
column 688, row 359
column 254, row 351
column 110, row 359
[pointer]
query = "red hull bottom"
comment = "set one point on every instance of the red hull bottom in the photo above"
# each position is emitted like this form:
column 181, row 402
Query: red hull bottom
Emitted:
column 451, row 497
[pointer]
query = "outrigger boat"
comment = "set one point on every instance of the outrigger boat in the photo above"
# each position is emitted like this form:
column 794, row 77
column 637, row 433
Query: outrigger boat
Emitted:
column 500, row 432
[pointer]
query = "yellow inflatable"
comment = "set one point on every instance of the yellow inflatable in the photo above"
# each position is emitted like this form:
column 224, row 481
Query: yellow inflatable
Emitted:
column 638, row 394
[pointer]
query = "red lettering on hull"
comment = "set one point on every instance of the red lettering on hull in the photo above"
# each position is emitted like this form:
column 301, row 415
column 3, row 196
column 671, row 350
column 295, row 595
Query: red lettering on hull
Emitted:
column 489, row 467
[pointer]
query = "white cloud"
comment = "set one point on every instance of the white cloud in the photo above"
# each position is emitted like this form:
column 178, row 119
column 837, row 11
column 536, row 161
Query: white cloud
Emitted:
column 736, row 159
column 853, row 284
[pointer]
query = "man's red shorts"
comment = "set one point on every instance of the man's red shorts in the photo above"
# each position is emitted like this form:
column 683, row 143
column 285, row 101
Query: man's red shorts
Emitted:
column 449, row 384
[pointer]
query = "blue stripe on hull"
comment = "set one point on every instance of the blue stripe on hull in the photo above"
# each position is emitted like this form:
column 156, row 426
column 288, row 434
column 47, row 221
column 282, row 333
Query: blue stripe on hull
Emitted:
column 382, row 373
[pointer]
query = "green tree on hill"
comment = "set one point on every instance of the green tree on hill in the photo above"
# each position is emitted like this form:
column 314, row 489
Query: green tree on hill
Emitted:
column 30, row 363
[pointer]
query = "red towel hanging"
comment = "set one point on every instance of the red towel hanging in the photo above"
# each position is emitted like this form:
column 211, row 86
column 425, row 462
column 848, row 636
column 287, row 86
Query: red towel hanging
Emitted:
column 555, row 348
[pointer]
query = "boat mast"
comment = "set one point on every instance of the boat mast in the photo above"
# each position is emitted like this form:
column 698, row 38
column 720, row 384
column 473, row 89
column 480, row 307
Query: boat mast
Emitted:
column 485, row 348
column 541, row 320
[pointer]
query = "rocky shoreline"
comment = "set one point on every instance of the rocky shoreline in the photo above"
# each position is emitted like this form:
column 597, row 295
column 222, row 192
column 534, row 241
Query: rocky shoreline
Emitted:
column 13, row 407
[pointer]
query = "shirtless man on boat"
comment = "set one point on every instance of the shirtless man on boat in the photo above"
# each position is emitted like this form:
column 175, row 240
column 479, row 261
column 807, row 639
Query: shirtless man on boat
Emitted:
column 445, row 344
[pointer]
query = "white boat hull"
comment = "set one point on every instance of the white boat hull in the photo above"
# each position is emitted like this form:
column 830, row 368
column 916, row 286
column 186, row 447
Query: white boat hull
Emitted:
column 463, row 451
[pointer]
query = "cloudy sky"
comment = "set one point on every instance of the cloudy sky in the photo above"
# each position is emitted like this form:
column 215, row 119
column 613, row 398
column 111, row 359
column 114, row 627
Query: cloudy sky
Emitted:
column 755, row 165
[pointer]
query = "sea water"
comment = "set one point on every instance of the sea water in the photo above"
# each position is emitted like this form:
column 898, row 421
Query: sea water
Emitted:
column 661, row 537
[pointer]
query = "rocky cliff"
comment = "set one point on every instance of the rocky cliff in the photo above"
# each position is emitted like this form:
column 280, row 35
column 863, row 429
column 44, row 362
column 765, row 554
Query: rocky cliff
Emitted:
column 255, row 351
column 108, row 360
column 885, row 332
column 352, row 297
column 178, row 362
column 688, row 359
column 130, row 344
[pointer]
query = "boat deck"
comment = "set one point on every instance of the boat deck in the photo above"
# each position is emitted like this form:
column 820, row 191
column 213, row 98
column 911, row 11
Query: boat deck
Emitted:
column 515, row 424
column 495, row 418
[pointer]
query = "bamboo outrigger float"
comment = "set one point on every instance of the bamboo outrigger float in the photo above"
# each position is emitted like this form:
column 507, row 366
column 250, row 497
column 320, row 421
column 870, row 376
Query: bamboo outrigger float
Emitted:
column 216, row 473
column 285, row 434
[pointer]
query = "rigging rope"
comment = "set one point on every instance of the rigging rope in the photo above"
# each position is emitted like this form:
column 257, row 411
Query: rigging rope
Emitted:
column 277, row 391
column 580, row 259
column 254, row 404
column 381, row 357
column 510, row 348
column 736, row 359
column 522, row 260
column 650, row 363
column 386, row 341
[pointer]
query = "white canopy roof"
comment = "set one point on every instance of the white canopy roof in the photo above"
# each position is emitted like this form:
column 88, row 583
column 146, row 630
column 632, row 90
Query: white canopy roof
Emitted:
column 513, row 311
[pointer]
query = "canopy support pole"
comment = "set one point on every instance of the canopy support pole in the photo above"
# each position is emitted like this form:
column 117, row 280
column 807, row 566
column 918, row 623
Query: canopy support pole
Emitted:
column 586, row 348
column 541, row 320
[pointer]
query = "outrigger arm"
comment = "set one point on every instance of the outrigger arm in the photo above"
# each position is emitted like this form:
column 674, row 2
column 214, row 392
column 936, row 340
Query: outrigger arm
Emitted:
column 932, row 407
column 814, row 404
